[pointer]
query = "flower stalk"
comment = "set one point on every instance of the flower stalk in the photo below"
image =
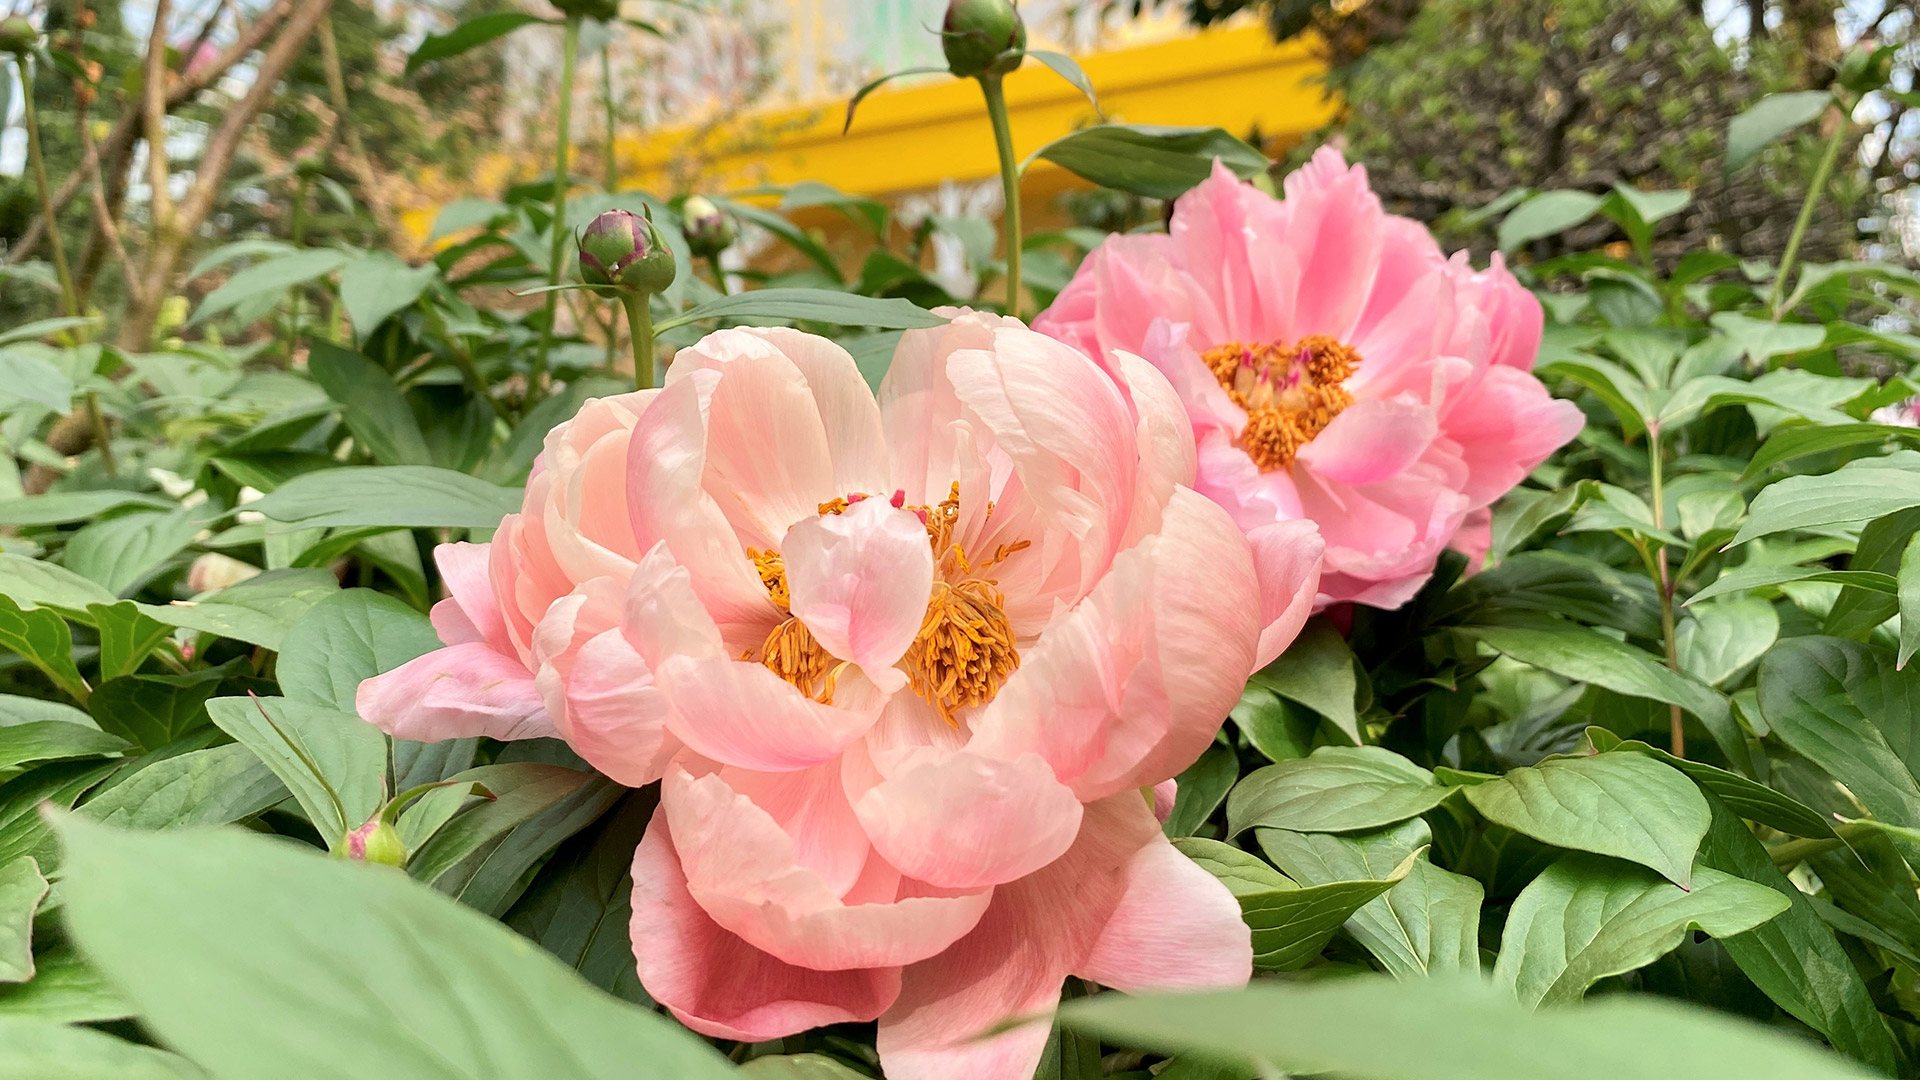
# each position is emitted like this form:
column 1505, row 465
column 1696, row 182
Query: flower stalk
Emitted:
column 56, row 247
column 991, row 88
column 569, row 53
column 1815, row 189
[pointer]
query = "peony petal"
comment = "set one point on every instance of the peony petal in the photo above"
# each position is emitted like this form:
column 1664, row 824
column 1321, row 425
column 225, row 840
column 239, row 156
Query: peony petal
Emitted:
column 1371, row 441
column 456, row 693
column 859, row 582
column 1176, row 928
column 780, row 886
column 1286, row 558
column 968, row 821
column 616, row 717
column 741, row 713
column 464, row 569
column 717, row 984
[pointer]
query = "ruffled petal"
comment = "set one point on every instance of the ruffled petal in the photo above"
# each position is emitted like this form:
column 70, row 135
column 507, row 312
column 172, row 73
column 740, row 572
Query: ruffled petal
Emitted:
column 719, row 985
column 740, row 713
column 616, row 717
column 1286, row 558
column 470, row 612
column 968, row 821
column 1371, row 441
column 1176, row 927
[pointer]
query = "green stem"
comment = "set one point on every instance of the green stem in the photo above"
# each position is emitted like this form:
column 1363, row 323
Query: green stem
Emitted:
column 611, row 167
column 1677, row 735
column 1815, row 190
column 556, row 269
column 640, row 327
column 68, row 298
column 719, row 276
column 297, row 232
column 1009, row 184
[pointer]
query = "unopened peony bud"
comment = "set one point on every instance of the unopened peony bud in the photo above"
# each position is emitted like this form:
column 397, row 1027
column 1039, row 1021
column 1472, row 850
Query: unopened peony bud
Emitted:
column 17, row 36
column 374, row 842
column 983, row 37
column 622, row 248
column 710, row 230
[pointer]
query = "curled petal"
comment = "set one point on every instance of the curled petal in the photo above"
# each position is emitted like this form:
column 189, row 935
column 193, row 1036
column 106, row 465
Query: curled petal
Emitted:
column 1286, row 558
column 456, row 693
column 1176, row 927
column 968, row 821
column 740, row 713
column 616, row 717
column 859, row 582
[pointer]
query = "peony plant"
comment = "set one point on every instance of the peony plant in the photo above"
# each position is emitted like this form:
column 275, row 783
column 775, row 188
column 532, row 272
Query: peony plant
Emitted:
column 915, row 674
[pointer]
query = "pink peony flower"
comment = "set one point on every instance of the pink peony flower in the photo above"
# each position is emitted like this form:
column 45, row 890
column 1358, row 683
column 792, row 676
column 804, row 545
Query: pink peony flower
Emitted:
column 1335, row 365
column 915, row 675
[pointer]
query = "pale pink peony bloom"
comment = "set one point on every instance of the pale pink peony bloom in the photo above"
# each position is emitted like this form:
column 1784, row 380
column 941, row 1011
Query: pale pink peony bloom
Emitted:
column 1336, row 366
column 915, row 675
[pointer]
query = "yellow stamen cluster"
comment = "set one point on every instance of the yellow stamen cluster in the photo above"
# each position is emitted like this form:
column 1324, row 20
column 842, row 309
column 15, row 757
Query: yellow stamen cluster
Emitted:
column 965, row 649
column 1290, row 393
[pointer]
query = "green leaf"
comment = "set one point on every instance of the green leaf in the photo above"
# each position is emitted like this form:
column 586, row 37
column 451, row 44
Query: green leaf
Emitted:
column 815, row 1067
column 1794, row 443
column 216, row 786
column 1290, row 923
column 875, row 84
column 375, row 411
column 493, row 878
column 1069, row 69
column 397, row 496
column 267, row 278
column 1154, row 161
column 53, row 740
column 152, row 711
column 812, row 305
column 417, row 987
column 1857, row 612
column 1840, row 705
column 64, row 990
column 334, row 763
column 1858, row 491
column 259, row 610
column 127, row 637
column 42, row 639
column 1624, row 805
column 23, row 831
column 1909, row 601
column 521, row 790
column 1553, row 582
column 1585, row 656
column 121, row 553
column 1277, row 728
column 1335, row 789
column 347, row 638
column 579, row 907
column 1720, row 640
column 61, row 507
column 376, row 285
column 1588, row 917
column 1375, row 1028
column 1619, row 389
column 21, row 890
column 1738, row 581
column 1317, row 671
column 15, row 709
column 1768, row 119
column 30, row 378
column 1762, row 340
column 1201, row 789
column 471, row 34
column 1750, row 799
column 1794, row 958
column 1429, row 924
column 37, row 1049
column 38, row 583
column 1546, row 214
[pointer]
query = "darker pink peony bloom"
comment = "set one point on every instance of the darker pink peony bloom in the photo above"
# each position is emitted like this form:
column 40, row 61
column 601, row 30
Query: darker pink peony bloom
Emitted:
column 914, row 674
column 1336, row 366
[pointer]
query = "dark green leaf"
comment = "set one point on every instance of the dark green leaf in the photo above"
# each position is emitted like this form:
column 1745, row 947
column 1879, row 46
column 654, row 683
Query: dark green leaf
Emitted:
column 579, row 906
column 1317, row 671
column 127, row 636
column 471, row 34
column 53, row 740
column 1150, row 160
column 521, row 790
column 1869, row 488
column 1794, row 443
column 154, row 710
column 1336, row 789
column 812, row 305
column 1840, row 705
column 42, row 639
column 375, row 411
column 1201, row 789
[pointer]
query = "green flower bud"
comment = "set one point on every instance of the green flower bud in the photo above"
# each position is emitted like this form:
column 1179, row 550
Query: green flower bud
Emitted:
column 710, row 230
column 602, row 10
column 17, row 36
column 623, row 249
column 983, row 37
column 1866, row 68
column 375, row 842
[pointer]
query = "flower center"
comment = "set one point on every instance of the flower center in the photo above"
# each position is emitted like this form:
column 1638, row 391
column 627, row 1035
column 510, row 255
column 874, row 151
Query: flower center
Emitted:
column 1290, row 393
column 965, row 649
